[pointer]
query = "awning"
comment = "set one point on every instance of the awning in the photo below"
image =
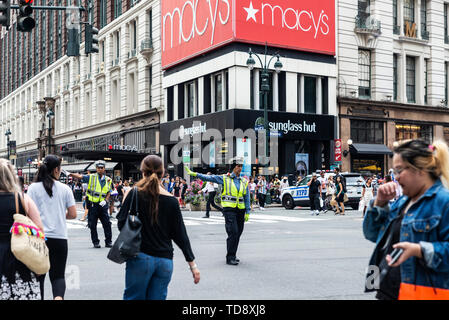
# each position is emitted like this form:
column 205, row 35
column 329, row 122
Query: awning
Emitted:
column 365, row 148
column 76, row 167
column 109, row 166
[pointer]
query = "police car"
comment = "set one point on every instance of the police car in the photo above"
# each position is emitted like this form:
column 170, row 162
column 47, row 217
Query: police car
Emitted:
column 292, row 197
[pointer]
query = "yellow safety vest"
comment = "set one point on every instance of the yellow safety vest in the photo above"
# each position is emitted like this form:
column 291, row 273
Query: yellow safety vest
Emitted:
column 94, row 191
column 231, row 197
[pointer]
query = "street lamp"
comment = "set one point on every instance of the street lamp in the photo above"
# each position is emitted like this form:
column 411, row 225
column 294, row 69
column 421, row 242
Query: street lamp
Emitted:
column 265, row 85
column 50, row 115
column 7, row 134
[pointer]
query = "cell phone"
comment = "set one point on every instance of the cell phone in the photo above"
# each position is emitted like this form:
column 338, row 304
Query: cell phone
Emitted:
column 395, row 255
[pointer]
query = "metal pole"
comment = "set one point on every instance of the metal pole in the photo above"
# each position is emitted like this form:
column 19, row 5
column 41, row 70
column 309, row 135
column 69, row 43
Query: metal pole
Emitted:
column 49, row 138
column 8, row 147
column 15, row 6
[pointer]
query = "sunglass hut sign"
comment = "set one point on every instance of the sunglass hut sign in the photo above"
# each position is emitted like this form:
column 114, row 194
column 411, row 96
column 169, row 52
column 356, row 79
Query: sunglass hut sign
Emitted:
column 192, row 27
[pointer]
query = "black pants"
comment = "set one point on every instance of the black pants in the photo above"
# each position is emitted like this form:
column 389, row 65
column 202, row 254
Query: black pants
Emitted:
column 234, row 222
column 314, row 201
column 262, row 198
column 211, row 202
column 98, row 212
column 57, row 249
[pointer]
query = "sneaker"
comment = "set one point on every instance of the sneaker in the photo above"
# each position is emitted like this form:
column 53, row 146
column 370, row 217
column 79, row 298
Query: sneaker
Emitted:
column 97, row 246
column 108, row 245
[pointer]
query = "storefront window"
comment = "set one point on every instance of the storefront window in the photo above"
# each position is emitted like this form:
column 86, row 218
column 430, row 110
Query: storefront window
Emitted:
column 310, row 94
column 367, row 131
column 446, row 134
column 413, row 131
column 367, row 166
column 218, row 92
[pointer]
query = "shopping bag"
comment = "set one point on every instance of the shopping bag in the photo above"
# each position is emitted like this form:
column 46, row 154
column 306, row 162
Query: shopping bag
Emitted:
column 361, row 204
column 28, row 242
column 409, row 291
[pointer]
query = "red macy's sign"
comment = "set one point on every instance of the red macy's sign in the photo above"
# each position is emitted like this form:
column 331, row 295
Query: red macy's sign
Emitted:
column 192, row 27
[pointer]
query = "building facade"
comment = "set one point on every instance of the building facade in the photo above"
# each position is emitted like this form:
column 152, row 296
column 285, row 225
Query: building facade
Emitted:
column 106, row 105
column 208, row 84
column 400, row 50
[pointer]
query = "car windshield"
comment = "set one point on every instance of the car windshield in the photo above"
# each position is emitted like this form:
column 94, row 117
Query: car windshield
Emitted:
column 305, row 180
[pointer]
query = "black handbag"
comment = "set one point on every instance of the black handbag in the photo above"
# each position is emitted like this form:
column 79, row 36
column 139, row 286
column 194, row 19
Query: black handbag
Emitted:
column 127, row 245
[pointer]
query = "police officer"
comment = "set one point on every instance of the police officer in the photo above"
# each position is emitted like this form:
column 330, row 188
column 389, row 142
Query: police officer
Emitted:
column 98, row 194
column 236, row 205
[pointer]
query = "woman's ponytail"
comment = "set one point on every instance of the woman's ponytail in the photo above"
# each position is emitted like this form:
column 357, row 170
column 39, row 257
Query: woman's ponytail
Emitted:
column 152, row 169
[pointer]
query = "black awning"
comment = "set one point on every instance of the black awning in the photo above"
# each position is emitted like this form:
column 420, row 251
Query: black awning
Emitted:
column 366, row 148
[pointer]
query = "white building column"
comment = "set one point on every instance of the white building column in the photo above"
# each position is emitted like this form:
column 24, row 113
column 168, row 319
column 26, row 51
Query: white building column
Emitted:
column 175, row 102
column 418, row 18
column 291, row 80
column 239, row 88
column 401, row 17
column 332, row 96
column 420, row 80
column 256, row 89
column 200, row 96
column 402, row 74
column 301, row 95
column 275, row 91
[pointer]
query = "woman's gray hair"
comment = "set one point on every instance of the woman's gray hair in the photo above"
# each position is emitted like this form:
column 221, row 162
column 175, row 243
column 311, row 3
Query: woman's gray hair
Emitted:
column 8, row 178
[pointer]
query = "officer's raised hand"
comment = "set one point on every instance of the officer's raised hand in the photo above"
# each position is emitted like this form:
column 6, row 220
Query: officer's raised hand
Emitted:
column 189, row 172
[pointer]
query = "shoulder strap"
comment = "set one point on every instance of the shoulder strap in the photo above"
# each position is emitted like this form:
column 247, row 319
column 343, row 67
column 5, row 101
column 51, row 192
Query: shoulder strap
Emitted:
column 16, row 199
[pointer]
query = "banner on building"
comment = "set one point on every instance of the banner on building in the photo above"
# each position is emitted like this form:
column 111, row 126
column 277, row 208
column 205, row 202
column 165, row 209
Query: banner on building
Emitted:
column 244, row 151
column 302, row 163
column 193, row 27
column 337, row 150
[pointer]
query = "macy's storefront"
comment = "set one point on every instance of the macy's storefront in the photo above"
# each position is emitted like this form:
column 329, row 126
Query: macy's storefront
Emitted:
column 207, row 79
column 304, row 142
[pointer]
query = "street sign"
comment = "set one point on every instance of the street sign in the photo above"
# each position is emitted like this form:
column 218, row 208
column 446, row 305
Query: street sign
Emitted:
column 337, row 150
column 29, row 161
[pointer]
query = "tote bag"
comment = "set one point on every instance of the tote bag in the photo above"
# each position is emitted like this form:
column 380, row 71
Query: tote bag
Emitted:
column 127, row 245
column 28, row 242
column 409, row 291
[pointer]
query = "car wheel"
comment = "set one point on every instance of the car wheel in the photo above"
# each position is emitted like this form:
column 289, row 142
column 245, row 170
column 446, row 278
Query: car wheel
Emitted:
column 288, row 202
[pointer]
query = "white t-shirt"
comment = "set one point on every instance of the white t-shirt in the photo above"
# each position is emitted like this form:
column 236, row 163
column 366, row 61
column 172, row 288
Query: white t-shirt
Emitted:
column 53, row 210
column 324, row 183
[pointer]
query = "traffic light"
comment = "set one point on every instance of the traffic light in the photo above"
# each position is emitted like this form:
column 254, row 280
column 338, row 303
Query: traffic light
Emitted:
column 25, row 23
column 91, row 39
column 73, row 43
column 5, row 9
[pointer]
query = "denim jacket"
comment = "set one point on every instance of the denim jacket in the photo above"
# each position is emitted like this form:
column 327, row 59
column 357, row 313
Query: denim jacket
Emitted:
column 426, row 223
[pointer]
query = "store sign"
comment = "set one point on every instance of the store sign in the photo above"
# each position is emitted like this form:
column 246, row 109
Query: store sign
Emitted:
column 117, row 147
column 192, row 130
column 192, row 27
column 337, row 150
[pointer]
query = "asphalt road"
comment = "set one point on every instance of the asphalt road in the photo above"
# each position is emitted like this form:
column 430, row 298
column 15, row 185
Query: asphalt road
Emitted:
column 285, row 255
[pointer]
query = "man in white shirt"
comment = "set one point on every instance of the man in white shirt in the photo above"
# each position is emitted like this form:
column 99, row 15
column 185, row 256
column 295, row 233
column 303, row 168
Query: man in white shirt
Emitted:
column 210, row 188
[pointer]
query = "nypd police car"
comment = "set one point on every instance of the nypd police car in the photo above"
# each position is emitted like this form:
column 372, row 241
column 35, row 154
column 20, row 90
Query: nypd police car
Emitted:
column 292, row 197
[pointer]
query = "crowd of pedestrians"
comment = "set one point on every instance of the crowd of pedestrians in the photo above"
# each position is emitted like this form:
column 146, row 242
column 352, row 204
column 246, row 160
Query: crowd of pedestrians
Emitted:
column 406, row 212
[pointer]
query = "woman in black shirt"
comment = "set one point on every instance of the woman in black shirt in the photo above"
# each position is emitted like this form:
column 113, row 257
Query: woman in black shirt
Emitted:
column 148, row 275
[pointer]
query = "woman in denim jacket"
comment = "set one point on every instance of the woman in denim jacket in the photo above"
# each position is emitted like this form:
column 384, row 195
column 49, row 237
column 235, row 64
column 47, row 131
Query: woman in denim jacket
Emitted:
column 418, row 222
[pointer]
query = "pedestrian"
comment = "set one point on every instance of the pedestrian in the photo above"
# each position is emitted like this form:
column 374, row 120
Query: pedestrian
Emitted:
column 339, row 195
column 252, row 190
column 298, row 180
column 322, row 179
column 17, row 282
column 176, row 192
column 85, row 208
column 367, row 194
column 314, row 194
column 183, row 193
column 417, row 223
column 148, row 275
column 262, row 192
column 98, row 193
column 209, row 189
column 56, row 203
column 126, row 187
column 330, row 193
column 120, row 193
column 236, row 205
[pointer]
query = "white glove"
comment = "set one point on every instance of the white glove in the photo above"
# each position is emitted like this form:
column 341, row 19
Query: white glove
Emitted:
column 103, row 203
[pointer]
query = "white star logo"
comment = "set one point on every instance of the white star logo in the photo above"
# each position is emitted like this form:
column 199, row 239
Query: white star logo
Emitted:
column 251, row 12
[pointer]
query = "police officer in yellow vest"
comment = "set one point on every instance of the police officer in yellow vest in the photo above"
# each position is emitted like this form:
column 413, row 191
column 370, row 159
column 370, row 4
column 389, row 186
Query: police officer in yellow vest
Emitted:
column 235, row 201
column 98, row 192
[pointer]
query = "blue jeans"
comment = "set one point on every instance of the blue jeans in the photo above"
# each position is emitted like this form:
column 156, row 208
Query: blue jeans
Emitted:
column 147, row 278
